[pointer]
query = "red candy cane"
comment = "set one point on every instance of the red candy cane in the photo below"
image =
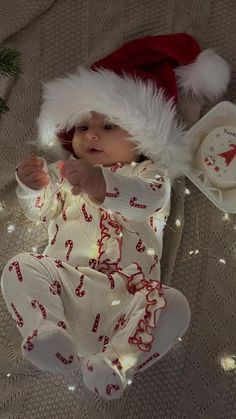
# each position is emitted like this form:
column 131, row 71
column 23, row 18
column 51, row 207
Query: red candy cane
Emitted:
column 86, row 217
column 54, row 239
column 58, row 263
column 18, row 271
column 29, row 345
column 154, row 263
column 69, row 243
column 121, row 322
column 92, row 263
column 113, row 194
column 39, row 202
column 106, row 339
column 64, row 360
column 77, row 290
column 62, row 324
column 89, row 366
column 111, row 279
column 139, row 247
column 55, row 289
column 133, row 204
column 155, row 186
column 95, row 325
column 111, row 387
column 64, row 215
column 155, row 355
column 116, row 166
column 20, row 321
column 117, row 363
column 41, row 307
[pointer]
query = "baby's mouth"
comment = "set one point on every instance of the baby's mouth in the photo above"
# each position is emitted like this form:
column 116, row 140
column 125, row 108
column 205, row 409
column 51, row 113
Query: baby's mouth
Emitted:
column 94, row 150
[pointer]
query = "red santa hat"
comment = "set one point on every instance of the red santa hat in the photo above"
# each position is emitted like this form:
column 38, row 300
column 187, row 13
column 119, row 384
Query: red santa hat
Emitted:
column 136, row 87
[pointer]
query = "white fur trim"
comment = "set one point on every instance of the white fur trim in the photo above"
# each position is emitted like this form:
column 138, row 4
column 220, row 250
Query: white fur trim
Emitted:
column 208, row 76
column 134, row 105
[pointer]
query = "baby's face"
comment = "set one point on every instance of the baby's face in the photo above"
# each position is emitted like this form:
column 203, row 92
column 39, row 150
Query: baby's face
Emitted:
column 109, row 139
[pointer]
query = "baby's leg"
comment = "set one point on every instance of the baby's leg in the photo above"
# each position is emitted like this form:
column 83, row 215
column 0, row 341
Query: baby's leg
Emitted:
column 31, row 288
column 109, row 372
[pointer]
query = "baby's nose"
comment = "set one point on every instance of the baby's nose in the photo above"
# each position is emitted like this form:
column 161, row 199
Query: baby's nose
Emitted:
column 92, row 134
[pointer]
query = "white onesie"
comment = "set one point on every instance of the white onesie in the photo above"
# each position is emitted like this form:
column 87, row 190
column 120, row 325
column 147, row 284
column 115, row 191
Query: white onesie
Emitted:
column 99, row 276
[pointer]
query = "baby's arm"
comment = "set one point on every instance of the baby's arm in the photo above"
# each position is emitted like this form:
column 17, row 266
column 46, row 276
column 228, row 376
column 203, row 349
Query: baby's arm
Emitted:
column 43, row 204
column 137, row 197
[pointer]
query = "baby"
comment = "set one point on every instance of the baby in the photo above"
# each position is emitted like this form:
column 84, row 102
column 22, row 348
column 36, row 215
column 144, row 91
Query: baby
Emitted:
column 94, row 298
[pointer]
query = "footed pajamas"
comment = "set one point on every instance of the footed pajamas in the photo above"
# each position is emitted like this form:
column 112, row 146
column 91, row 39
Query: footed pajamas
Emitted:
column 94, row 297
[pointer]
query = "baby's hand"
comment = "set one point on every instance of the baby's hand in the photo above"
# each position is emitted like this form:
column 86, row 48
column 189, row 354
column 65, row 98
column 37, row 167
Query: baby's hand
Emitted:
column 31, row 174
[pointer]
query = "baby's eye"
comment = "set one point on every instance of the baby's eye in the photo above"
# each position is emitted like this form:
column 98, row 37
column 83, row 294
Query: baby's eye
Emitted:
column 109, row 126
column 82, row 128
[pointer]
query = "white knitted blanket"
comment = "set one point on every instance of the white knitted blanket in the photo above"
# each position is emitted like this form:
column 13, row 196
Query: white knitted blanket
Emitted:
column 55, row 36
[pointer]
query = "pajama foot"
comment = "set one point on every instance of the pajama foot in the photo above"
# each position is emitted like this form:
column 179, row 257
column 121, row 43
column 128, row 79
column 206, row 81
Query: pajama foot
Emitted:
column 103, row 378
column 51, row 348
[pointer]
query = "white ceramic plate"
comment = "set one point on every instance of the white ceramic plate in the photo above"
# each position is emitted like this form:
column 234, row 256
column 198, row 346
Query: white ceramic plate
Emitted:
column 224, row 113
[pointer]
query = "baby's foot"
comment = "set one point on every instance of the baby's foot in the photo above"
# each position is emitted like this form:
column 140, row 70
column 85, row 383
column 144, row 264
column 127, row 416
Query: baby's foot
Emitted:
column 103, row 378
column 51, row 348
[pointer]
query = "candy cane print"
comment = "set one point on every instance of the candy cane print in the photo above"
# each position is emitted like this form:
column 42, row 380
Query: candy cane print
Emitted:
column 20, row 321
column 69, row 243
column 39, row 202
column 111, row 279
column 54, row 239
column 41, row 307
column 64, row 215
column 86, row 217
column 155, row 355
column 29, row 345
column 111, row 387
column 92, row 263
column 117, row 363
column 132, row 203
column 55, row 289
column 62, row 324
column 18, row 271
column 139, row 247
column 89, row 366
column 154, row 263
column 58, row 263
column 116, row 166
column 37, row 256
column 155, row 186
column 113, row 194
column 77, row 290
column 95, row 325
column 64, row 360
column 106, row 339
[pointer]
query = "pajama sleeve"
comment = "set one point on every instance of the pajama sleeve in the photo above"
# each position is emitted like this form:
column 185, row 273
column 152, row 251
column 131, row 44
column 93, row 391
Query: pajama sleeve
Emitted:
column 44, row 204
column 137, row 197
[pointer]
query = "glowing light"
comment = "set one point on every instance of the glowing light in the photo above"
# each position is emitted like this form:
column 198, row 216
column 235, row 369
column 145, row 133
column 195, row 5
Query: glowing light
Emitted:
column 178, row 223
column 34, row 249
column 128, row 362
column 150, row 251
column 121, row 234
column 129, row 382
column 180, row 339
column 133, row 163
column 115, row 302
column 226, row 217
column 72, row 388
column 228, row 363
column 11, row 228
column 222, row 261
column 8, row 375
column 187, row 191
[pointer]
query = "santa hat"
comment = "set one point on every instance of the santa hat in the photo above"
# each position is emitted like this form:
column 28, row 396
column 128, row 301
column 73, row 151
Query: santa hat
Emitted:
column 136, row 87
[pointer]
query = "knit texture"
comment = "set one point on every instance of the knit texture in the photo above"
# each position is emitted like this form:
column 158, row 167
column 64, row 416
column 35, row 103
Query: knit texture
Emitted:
column 55, row 36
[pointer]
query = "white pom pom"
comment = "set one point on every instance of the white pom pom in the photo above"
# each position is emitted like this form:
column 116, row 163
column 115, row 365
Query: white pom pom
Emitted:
column 208, row 76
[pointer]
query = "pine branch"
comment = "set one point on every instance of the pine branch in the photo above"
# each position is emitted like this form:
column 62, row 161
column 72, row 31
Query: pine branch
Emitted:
column 9, row 65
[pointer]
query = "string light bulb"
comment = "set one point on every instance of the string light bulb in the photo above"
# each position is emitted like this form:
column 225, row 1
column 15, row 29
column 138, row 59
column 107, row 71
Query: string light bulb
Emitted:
column 11, row 228
column 222, row 261
column 178, row 222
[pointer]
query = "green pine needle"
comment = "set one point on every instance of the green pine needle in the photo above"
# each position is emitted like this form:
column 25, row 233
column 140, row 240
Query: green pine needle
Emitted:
column 3, row 106
column 9, row 65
